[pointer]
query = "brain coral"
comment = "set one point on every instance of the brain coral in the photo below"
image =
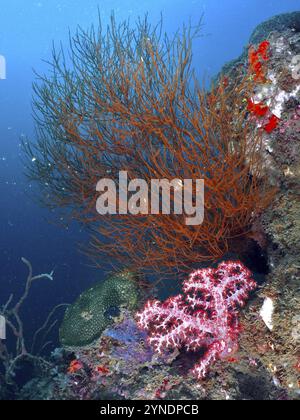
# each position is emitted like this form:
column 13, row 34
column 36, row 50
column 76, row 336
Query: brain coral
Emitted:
column 89, row 316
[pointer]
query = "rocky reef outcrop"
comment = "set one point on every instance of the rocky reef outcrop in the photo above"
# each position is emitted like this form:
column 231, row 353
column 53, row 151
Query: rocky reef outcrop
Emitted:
column 270, row 339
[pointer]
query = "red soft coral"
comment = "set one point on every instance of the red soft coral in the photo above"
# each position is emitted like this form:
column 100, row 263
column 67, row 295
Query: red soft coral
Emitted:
column 257, row 59
column 272, row 124
column 259, row 110
column 205, row 316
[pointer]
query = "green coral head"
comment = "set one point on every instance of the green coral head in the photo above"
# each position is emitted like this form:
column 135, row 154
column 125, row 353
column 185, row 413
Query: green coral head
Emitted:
column 88, row 317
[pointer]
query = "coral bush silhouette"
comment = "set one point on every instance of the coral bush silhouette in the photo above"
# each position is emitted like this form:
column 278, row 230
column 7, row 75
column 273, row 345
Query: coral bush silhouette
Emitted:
column 11, row 359
column 205, row 316
column 128, row 99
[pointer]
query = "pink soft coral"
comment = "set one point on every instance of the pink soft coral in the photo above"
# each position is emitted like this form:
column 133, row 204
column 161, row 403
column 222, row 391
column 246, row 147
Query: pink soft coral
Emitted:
column 206, row 316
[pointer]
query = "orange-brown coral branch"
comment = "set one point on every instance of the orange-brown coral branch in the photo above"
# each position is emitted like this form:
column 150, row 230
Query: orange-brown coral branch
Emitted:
column 132, row 103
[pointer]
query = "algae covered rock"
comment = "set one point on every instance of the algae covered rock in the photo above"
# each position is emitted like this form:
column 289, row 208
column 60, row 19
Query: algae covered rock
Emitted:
column 275, row 25
column 91, row 314
column 279, row 23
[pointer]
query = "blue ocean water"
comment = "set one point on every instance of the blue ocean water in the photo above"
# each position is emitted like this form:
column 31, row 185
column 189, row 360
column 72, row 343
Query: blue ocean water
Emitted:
column 27, row 31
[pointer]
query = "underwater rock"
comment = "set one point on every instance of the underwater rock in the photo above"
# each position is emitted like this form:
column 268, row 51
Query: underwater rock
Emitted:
column 275, row 103
column 279, row 23
column 279, row 350
column 275, row 353
column 282, row 95
column 132, row 347
column 120, row 364
column 93, row 311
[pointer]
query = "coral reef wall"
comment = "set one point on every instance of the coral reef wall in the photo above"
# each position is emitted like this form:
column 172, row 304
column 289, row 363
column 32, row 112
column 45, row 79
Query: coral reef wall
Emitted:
column 271, row 336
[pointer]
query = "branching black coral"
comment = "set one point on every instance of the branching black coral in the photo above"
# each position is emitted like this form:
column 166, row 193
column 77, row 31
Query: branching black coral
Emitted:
column 128, row 99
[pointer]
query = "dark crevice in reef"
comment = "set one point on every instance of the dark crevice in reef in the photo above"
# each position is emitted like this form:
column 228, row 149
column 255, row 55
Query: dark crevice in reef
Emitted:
column 256, row 259
column 253, row 256
column 186, row 360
